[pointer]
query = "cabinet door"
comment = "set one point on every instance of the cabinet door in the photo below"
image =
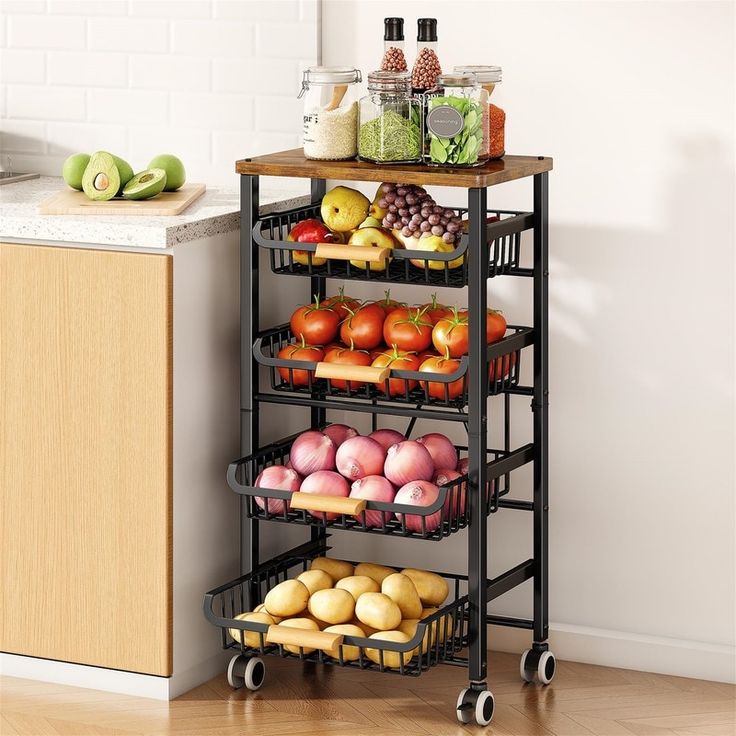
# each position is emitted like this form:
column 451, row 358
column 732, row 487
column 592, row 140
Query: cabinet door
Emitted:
column 85, row 456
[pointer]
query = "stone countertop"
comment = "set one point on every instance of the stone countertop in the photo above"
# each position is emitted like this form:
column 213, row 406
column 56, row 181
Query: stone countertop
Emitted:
column 216, row 211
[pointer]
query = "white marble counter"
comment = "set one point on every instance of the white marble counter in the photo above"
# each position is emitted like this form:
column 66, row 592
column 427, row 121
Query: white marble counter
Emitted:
column 217, row 211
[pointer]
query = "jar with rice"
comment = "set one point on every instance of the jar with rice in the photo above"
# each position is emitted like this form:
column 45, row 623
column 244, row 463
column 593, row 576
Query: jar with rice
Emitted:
column 489, row 78
column 330, row 112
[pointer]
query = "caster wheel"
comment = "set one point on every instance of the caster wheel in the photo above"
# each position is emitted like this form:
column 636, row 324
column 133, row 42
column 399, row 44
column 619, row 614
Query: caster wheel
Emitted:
column 235, row 671
column 539, row 666
column 248, row 671
column 477, row 705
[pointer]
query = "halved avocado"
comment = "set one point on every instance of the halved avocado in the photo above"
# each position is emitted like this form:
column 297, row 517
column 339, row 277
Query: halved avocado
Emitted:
column 124, row 169
column 101, row 179
column 146, row 184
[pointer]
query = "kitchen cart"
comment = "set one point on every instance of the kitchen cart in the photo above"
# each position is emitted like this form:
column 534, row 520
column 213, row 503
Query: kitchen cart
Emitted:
column 456, row 633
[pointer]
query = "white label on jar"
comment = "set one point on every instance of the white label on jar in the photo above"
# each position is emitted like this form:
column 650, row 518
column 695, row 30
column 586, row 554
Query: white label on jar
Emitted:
column 444, row 121
column 310, row 121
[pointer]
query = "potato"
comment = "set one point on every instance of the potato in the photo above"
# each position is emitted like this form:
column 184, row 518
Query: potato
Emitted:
column 432, row 588
column 349, row 653
column 378, row 611
column 315, row 580
column 299, row 623
column 260, row 608
column 400, row 589
column 409, row 627
column 251, row 638
column 390, row 659
column 333, row 606
column 287, row 598
column 441, row 628
column 368, row 630
column 376, row 572
column 336, row 569
column 356, row 585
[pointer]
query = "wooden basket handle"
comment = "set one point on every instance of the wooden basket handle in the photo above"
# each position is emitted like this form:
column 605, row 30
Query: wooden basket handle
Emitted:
column 330, row 504
column 355, row 373
column 352, row 252
column 303, row 637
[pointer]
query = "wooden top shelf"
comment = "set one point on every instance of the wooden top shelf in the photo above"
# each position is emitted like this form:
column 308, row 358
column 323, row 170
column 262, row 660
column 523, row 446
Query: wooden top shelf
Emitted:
column 293, row 163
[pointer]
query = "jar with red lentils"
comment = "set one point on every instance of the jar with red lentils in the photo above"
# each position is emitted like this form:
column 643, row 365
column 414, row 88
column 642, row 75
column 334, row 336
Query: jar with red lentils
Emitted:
column 489, row 78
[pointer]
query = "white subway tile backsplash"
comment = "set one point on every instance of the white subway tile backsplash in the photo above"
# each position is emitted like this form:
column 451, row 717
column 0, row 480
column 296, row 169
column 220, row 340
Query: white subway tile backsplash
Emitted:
column 68, row 138
column 308, row 10
column 45, row 103
column 216, row 38
column 126, row 106
column 291, row 40
column 22, row 136
column 19, row 7
column 190, row 144
column 88, row 7
column 130, row 35
column 221, row 111
column 22, row 67
column 87, row 69
column 168, row 72
column 281, row 114
column 257, row 10
column 46, row 32
column 170, row 8
column 257, row 76
column 231, row 146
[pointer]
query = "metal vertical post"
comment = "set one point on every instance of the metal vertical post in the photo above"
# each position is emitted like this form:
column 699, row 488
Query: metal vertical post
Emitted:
column 249, row 384
column 477, row 439
column 540, row 408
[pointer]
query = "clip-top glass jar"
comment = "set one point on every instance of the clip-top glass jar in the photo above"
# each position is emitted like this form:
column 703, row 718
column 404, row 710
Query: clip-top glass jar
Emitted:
column 489, row 77
column 454, row 124
column 390, row 128
column 330, row 112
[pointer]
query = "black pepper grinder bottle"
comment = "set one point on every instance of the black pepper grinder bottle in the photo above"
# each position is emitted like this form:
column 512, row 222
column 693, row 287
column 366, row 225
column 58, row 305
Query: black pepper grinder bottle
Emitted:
column 427, row 64
column 394, row 59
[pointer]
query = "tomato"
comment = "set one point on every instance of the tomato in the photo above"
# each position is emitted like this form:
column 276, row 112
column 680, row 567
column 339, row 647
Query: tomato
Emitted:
column 445, row 366
column 299, row 351
column 401, row 361
column 495, row 324
column 408, row 328
column 315, row 323
column 436, row 311
column 388, row 304
column 363, row 327
column 450, row 335
column 501, row 367
column 341, row 303
column 347, row 356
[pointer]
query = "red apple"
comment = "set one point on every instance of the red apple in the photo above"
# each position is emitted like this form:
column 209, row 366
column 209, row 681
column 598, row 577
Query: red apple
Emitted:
column 309, row 231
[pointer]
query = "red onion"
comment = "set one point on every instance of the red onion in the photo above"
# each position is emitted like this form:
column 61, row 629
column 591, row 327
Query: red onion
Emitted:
column 456, row 494
column 387, row 437
column 443, row 452
column 325, row 483
column 462, row 466
column 419, row 493
column 338, row 433
column 358, row 457
column 278, row 478
column 312, row 451
column 408, row 461
column 373, row 488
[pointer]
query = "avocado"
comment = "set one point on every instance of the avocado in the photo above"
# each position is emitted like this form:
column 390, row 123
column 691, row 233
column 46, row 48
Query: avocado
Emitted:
column 174, row 168
column 73, row 169
column 101, row 180
column 124, row 169
column 146, row 184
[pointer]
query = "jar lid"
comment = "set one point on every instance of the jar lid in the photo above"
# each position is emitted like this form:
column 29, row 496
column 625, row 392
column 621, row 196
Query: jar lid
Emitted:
column 427, row 30
column 330, row 75
column 389, row 81
column 393, row 29
column 457, row 80
column 484, row 74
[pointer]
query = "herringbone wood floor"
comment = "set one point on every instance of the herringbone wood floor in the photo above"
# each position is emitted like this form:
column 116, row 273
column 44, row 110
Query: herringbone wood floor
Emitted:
column 308, row 699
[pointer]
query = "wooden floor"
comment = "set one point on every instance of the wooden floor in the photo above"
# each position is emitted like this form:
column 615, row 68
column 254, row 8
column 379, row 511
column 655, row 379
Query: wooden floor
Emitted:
column 308, row 699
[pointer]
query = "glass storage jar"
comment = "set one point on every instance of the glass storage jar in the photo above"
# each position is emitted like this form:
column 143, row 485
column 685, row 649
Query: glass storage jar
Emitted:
column 390, row 120
column 489, row 78
column 330, row 112
column 455, row 135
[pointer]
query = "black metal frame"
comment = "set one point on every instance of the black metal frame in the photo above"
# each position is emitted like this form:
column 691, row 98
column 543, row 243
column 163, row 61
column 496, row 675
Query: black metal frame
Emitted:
column 480, row 588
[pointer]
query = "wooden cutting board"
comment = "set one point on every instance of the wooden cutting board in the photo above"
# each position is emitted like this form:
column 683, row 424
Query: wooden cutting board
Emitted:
column 72, row 202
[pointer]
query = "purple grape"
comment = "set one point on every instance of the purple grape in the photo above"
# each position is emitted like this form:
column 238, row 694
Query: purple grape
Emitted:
column 420, row 190
column 392, row 208
column 437, row 230
column 385, row 222
column 403, row 211
column 452, row 227
column 416, row 234
column 405, row 232
column 424, row 226
column 390, row 197
column 426, row 235
column 391, row 217
column 449, row 213
column 413, row 210
column 443, row 221
column 401, row 191
column 413, row 227
column 438, row 210
column 387, row 187
column 411, row 198
column 448, row 238
column 416, row 217
column 405, row 219
column 382, row 203
column 399, row 201
column 434, row 219
column 426, row 212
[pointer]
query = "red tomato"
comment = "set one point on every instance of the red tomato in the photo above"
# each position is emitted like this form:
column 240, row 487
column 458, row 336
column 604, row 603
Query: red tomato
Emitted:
column 436, row 311
column 388, row 304
column 347, row 356
column 341, row 303
column 495, row 324
column 297, row 351
column 409, row 329
column 401, row 361
column 315, row 323
column 445, row 366
column 363, row 327
column 501, row 367
column 450, row 335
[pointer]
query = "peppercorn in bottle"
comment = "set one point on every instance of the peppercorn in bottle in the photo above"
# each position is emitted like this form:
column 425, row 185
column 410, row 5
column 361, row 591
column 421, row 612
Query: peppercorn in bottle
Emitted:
column 427, row 64
column 394, row 59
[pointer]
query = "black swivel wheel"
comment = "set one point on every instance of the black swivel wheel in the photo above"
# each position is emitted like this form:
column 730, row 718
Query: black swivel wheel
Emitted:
column 475, row 705
column 248, row 671
column 537, row 665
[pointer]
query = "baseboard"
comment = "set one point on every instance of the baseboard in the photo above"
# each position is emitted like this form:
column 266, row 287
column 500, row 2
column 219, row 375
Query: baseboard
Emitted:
column 680, row 657
column 182, row 682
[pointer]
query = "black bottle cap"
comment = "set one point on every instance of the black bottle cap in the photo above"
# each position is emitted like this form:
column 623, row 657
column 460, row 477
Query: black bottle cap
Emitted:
column 393, row 29
column 427, row 29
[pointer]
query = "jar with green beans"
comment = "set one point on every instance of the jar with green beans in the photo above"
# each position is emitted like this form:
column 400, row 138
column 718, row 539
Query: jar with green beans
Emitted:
column 390, row 120
column 455, row 134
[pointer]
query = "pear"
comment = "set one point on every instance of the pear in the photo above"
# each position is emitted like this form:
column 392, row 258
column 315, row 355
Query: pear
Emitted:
column 344, row 209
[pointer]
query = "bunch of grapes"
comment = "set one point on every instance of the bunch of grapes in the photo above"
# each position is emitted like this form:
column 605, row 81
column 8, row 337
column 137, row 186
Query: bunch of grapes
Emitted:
column 413, row 211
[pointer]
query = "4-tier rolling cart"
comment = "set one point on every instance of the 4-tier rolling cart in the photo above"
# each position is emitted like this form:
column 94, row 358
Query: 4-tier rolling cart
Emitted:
column 456, row 633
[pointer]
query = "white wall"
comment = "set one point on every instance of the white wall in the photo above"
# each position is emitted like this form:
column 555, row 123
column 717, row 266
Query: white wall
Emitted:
column 635, row 102
column 208, row 80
